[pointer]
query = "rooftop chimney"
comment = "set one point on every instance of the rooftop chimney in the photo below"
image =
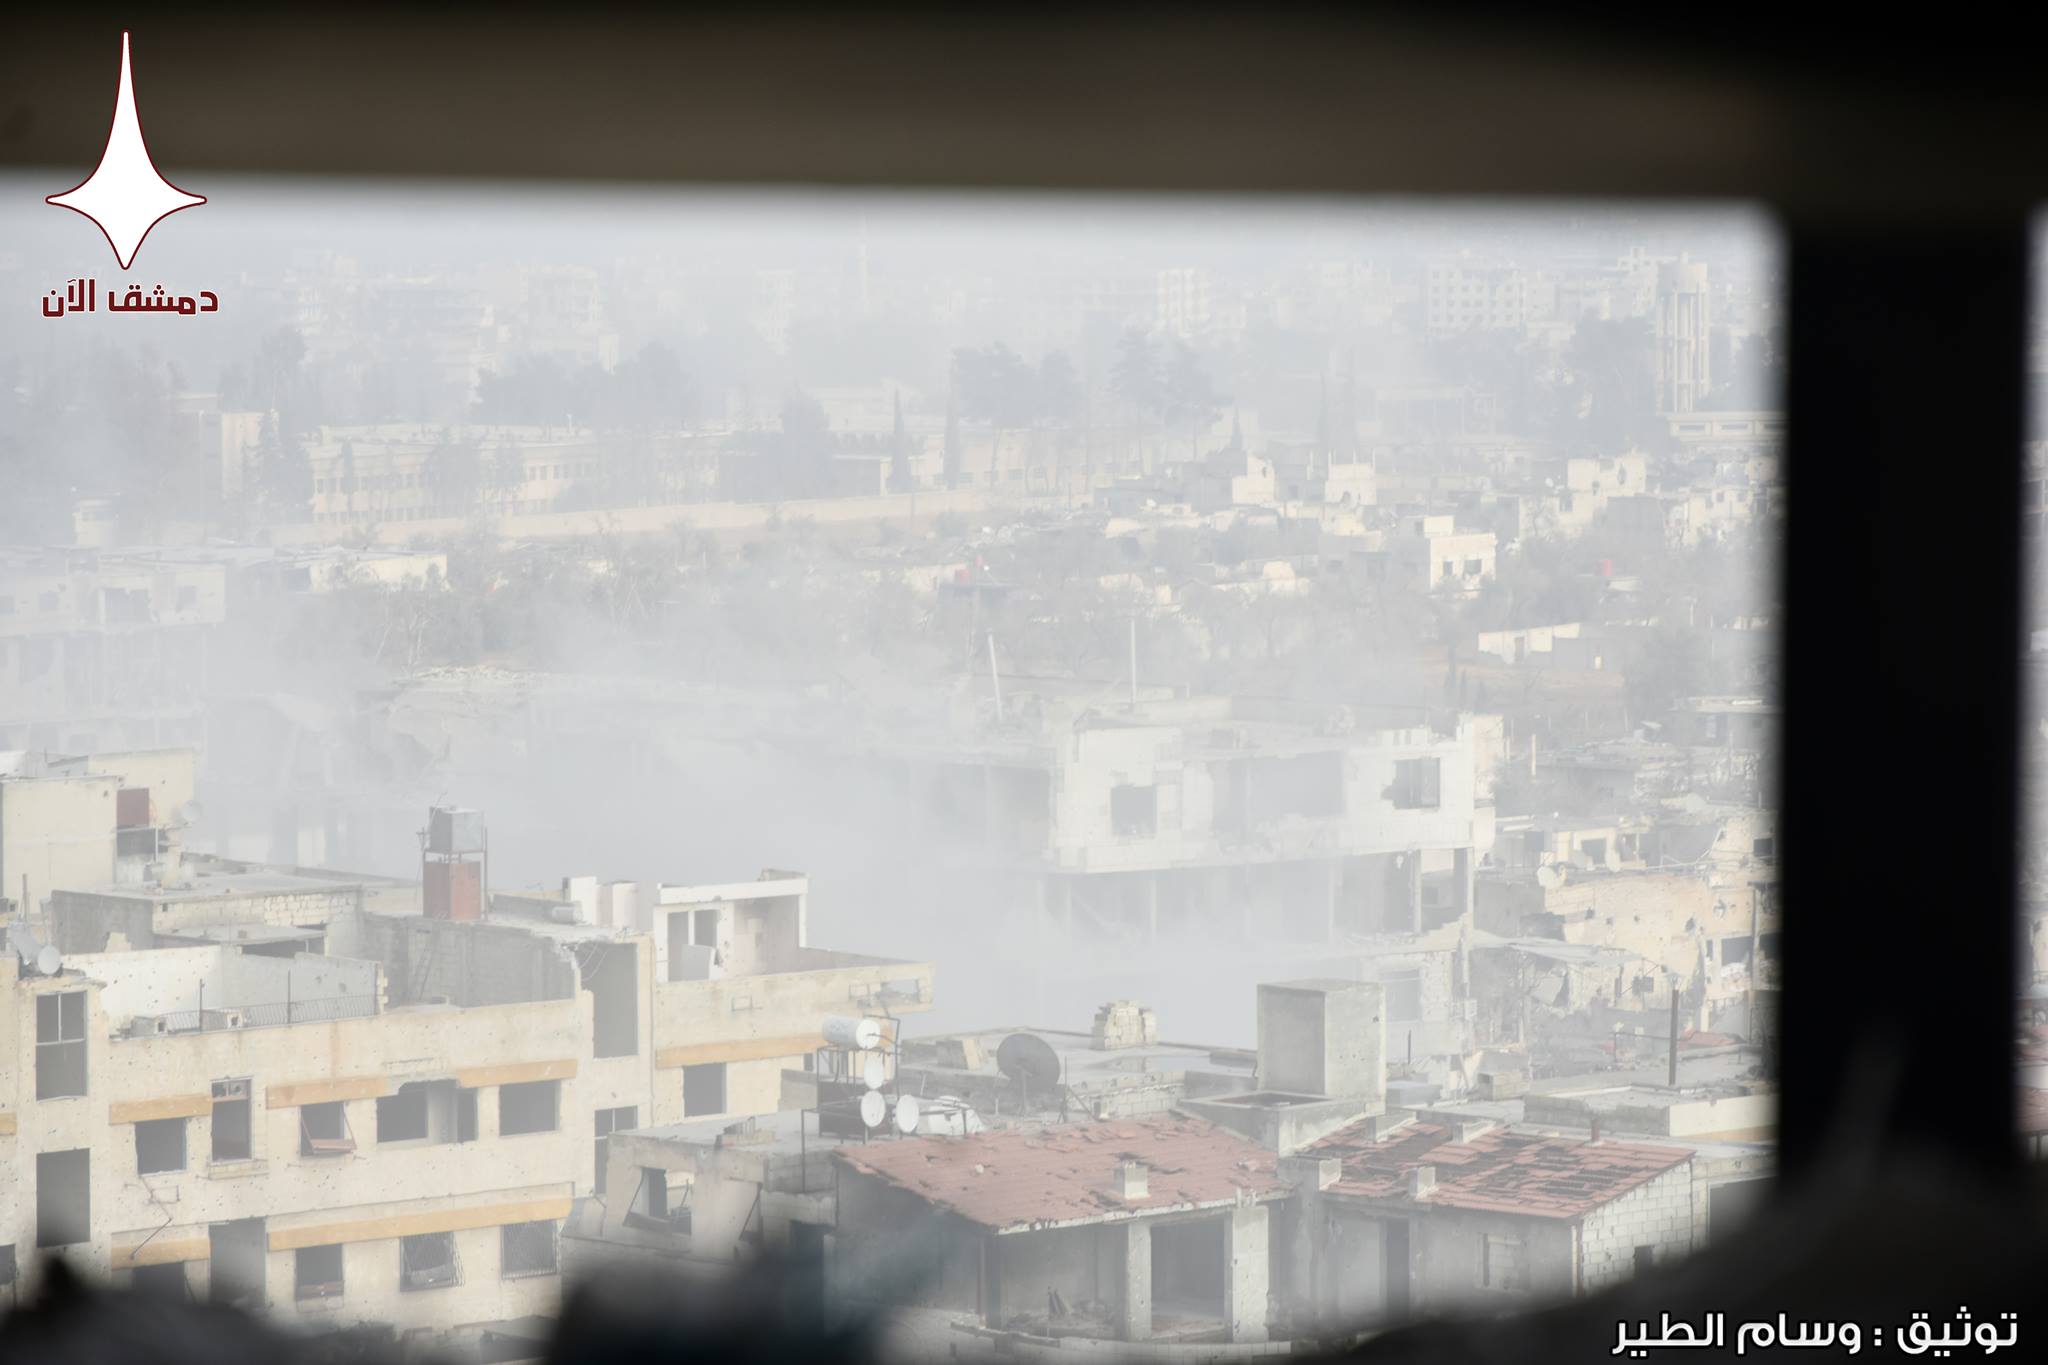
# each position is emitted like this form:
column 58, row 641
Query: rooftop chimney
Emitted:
column 1130, row 1182
column 1421, row 1180
column 1596, row 1129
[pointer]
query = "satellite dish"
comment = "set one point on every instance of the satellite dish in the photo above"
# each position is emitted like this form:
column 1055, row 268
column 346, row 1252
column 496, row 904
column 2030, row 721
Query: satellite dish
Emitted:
column 906, row 1114
column 1028, row 1058
column 873, row 1071
column 190, row 812
column 1550, row 876
column 873, row 1109
column 49, row 961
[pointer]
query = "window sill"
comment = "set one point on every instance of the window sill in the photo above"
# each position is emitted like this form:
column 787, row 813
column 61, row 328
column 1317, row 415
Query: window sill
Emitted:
column 236, row 1168
column 549, row 1273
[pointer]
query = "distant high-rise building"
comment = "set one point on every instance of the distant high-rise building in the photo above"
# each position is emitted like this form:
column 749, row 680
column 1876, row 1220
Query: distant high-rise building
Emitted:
column 1683, row 319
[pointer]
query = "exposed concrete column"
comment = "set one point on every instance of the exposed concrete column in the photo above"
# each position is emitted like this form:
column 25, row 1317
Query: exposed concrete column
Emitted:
column 1336, row 880
column 1129, row 1247
column 1414, row 890
column 1246, row 1273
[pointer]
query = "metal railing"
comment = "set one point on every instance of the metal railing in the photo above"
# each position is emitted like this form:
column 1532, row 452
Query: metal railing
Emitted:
column 262, row 1016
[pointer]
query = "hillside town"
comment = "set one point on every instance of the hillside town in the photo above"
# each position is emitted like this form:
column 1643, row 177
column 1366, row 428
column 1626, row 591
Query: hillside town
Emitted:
column 1212, row 793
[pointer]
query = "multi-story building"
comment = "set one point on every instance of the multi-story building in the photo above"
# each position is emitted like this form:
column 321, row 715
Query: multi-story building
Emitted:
column 354, row 1100
column 1684, row 321
column 1464, row 295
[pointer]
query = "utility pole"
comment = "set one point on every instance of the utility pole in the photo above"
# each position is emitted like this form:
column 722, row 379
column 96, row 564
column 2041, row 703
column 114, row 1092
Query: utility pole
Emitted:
column 1672, row 1078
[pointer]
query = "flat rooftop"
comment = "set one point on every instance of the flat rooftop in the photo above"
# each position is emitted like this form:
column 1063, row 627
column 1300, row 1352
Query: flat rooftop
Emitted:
column 222, row 885
column 1082, row 1064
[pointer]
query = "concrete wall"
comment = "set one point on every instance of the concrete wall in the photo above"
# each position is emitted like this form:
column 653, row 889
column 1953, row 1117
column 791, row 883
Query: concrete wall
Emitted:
column 1192, row 786
column 55, row 832
column 1449, row 1248
column 86, row 921
column 173, row 979
column 1323, row 1038
column 468, row 963
column 1657, row 1213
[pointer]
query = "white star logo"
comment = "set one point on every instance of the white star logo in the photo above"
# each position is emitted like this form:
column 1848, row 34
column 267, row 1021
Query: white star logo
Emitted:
column 125, row 195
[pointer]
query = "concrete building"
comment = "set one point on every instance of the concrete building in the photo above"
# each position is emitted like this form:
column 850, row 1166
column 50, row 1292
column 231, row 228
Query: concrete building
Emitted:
column 366, row 1101
column 1463, row 295
column 1408, row 1218
column 1683, row 330
column 1183, row 816
column 1139, row 1229
column 1429, row 553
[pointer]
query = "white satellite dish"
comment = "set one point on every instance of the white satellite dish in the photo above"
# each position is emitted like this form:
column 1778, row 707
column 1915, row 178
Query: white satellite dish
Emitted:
column 1550, row 876
column 189, row 813
column 873, row 1108
column 874, row 1071
column 48, row 960
column 906, row 1113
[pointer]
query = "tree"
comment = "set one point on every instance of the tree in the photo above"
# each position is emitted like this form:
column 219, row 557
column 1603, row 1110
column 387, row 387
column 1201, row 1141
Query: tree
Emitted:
column 1138, row 377
column 1613, row 387
column 1191, row 400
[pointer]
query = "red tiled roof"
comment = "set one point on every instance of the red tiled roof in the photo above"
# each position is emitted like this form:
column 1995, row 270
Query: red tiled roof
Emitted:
column 1498, row 1171
column 1013, row 1180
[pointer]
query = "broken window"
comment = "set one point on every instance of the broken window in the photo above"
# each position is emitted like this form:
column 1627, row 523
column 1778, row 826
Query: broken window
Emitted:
column 611, row 1121
column 1474, row 568
column 528, row 1107
column 704, row 928
column 428, row 1111
column 165, row 1281
column 402, row 1116
column 319, row 1272
column 1133, row 811
column 60, row 1045
column 611, row 974
column 704, row 1089
column 527, row 1249
column 1417, row 784
column 427, row 1261
column 1501, row 1264
column 63, row 1198
column 231, row 1121
column 159, row 1146
column 651, row 1209
column 324, row 1130
column 1763, row 848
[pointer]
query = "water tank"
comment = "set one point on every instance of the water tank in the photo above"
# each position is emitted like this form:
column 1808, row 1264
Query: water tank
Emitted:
column 453, row 829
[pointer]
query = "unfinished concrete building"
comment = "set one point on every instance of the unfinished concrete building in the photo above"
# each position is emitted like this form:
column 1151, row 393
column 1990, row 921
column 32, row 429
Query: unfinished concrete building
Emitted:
column 1207, row 815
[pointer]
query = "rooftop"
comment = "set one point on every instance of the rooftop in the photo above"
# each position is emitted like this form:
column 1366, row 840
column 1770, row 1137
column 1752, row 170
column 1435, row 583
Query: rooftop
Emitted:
column 1017, row 1181
column 1498, row 1171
